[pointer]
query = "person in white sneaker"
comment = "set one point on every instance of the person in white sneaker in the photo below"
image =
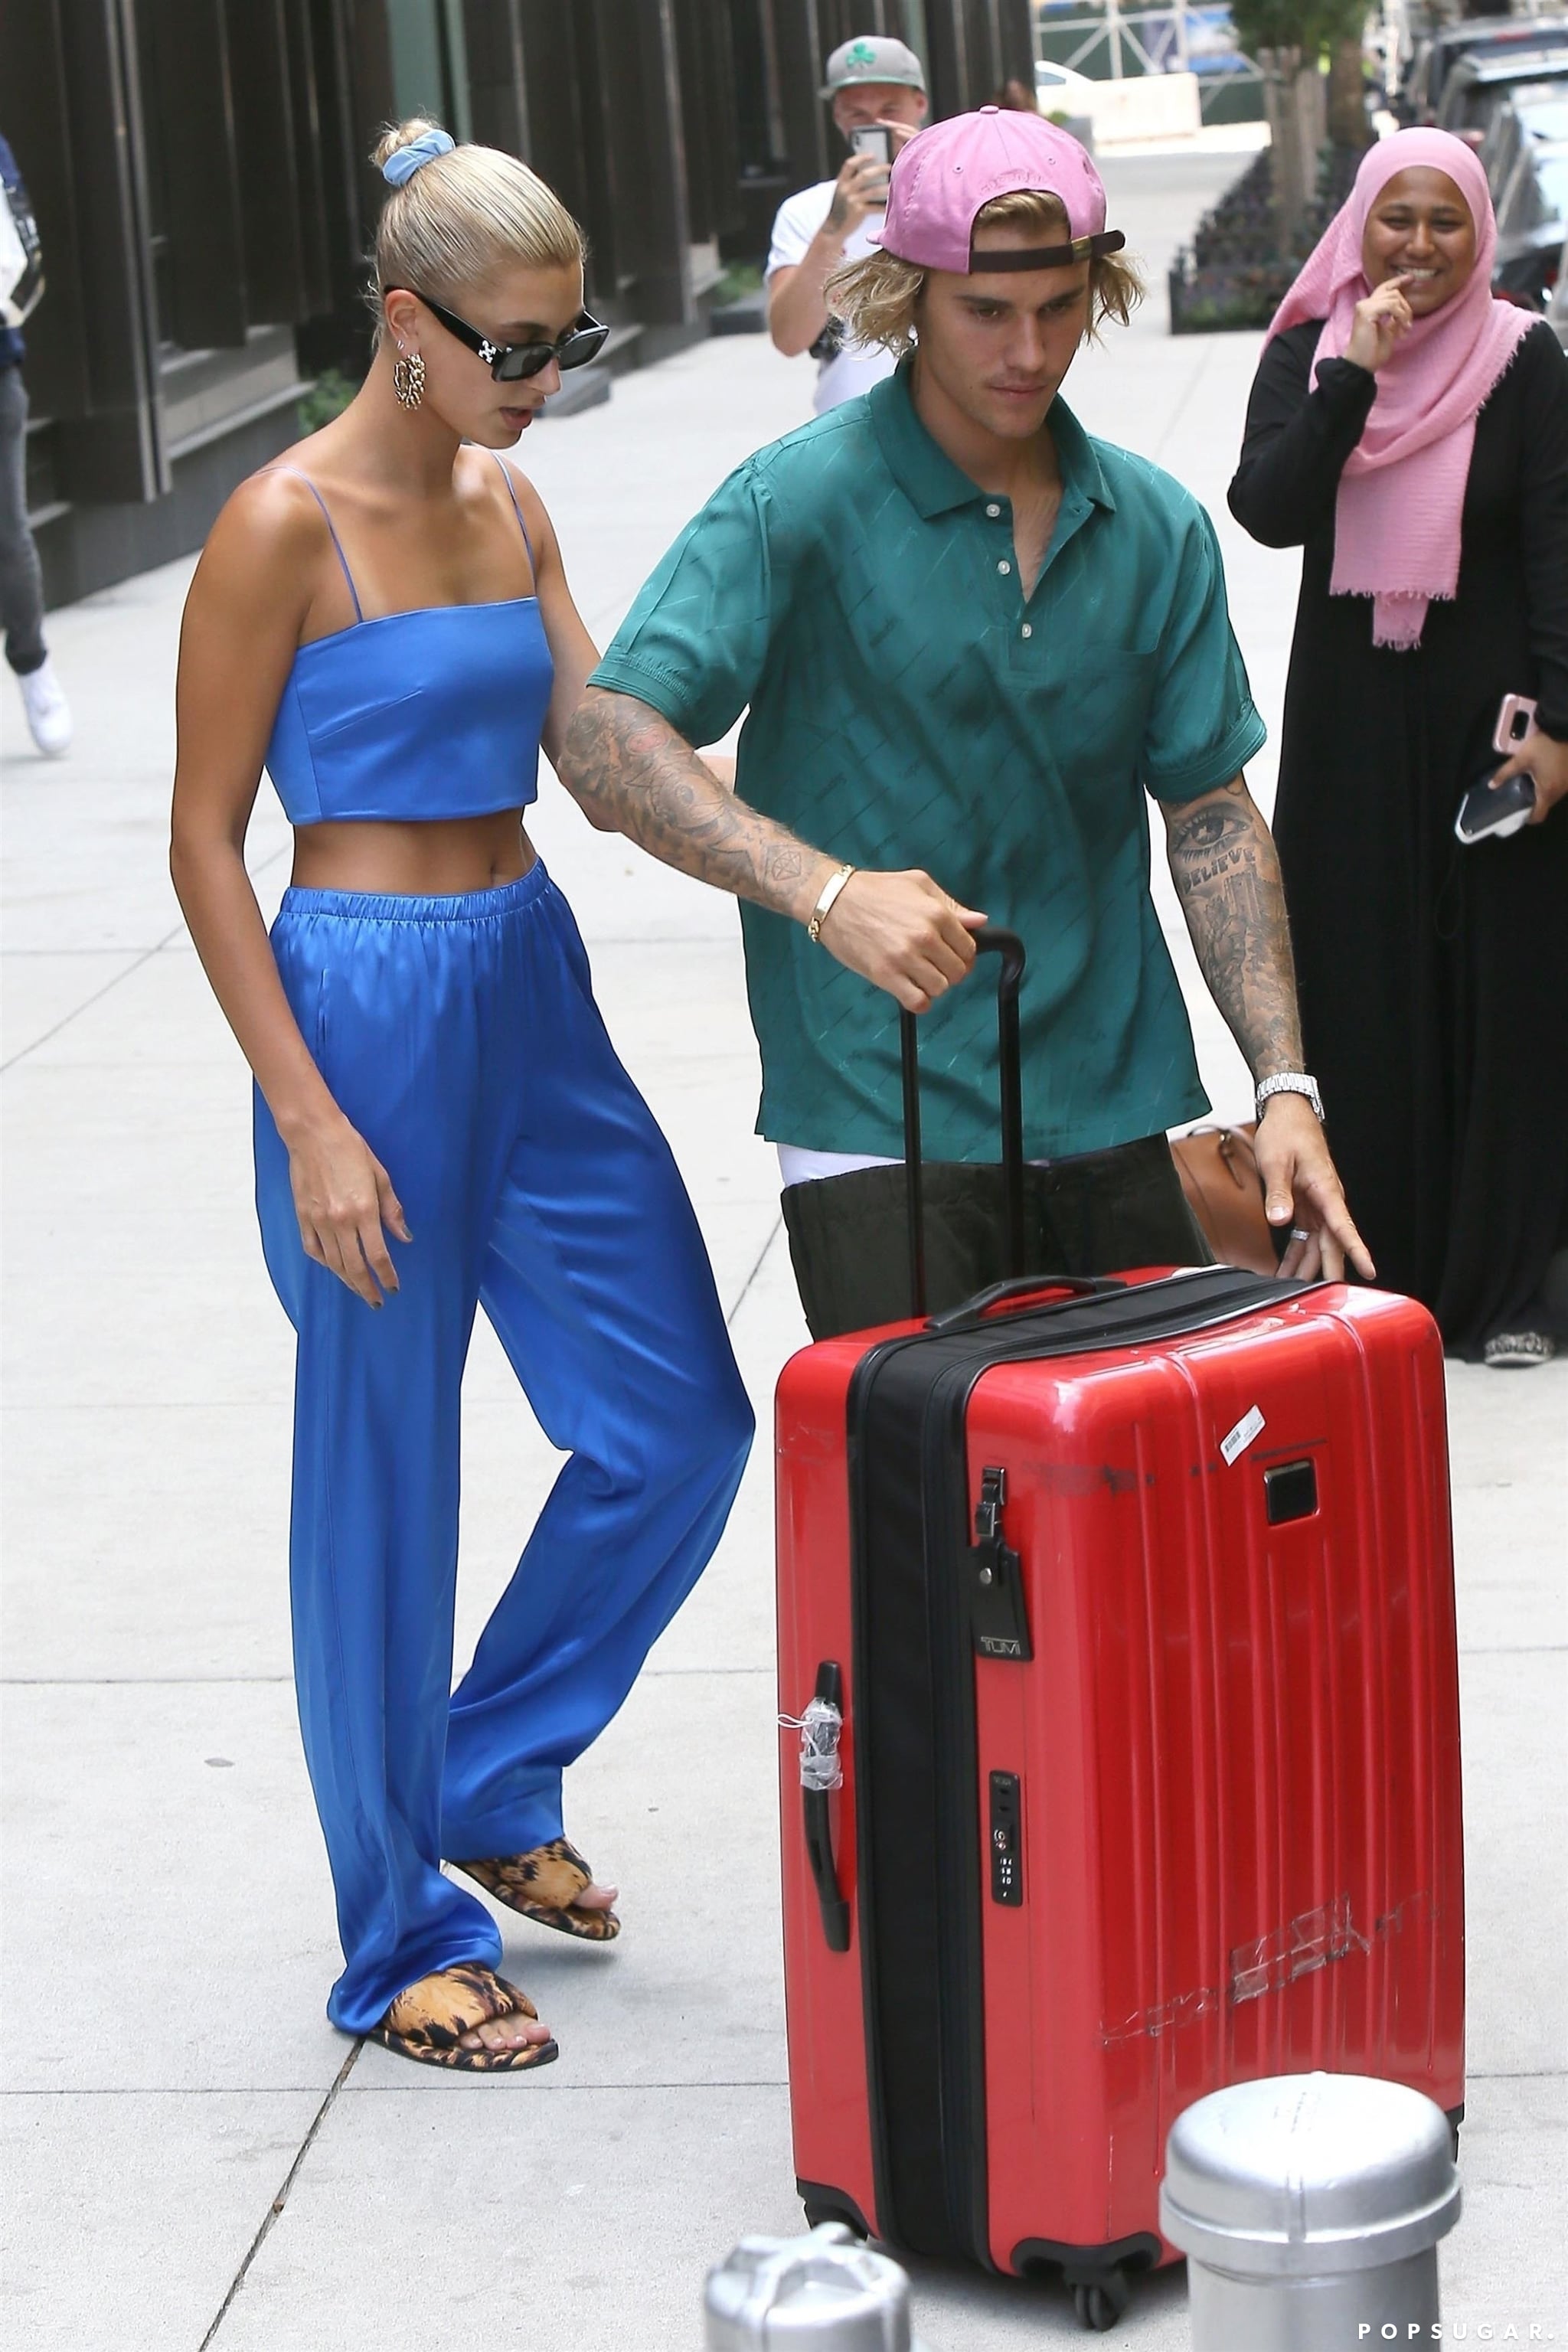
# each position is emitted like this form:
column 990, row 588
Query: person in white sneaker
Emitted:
column 21, row 579
column 874, row 85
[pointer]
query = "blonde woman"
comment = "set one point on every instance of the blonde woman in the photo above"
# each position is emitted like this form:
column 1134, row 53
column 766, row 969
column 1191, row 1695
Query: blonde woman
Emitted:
column 441, row 1122
column 382, row 620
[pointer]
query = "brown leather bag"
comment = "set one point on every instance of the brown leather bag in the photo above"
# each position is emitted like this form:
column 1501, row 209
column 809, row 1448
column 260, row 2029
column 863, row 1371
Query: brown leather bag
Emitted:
column 1218, row 1168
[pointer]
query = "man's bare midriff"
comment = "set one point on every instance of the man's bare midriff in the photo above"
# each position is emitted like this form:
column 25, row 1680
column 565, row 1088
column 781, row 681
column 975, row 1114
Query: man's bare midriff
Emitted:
column 440, row 860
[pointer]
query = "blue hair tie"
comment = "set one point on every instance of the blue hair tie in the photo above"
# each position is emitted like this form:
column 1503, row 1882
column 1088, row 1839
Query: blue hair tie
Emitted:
column 404, row 161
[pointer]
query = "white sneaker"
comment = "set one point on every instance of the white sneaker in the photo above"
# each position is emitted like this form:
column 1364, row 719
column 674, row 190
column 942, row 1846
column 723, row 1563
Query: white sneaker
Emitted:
column 48, row 712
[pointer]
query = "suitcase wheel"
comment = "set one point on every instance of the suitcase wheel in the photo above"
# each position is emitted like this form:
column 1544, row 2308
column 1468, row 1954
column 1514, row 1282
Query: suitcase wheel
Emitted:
column 1100, row 2302
column 822, row 2204
column 817, row 2214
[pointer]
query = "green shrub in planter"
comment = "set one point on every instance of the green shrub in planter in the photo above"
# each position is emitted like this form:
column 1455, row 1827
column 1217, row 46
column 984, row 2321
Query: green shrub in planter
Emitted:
column 1234, row 275
column 328, row 397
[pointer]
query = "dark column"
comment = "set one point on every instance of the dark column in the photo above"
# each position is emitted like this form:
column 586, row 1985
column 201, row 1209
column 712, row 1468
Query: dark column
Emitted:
column 312, row 124
column 348, row 67
column 37, row 124
column 269, row 159
column 976, row 46
column 193, row 173
column 759, row 113
column 1015, row 35
column 948, row 63
column 492, row 33
column 559, row 125
column 1001, row 45
column 762, row 160
column 706, row 59
column 371, row 93
column 801, row 50
column 108, row 446
column 641, row 154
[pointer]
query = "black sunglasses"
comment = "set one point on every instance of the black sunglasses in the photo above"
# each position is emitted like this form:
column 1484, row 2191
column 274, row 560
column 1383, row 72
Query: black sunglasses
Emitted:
column 508, row 362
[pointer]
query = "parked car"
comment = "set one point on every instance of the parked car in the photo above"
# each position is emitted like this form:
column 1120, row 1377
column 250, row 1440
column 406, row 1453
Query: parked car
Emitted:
column 1437, row 55
column 1557, row 308
column 1482, row 84
column 1535, row 109
column 1058, row 89
column 1532, row 221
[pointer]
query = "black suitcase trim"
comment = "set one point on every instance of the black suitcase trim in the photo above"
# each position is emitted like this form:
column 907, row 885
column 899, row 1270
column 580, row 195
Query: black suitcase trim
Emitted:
column 918, row 1869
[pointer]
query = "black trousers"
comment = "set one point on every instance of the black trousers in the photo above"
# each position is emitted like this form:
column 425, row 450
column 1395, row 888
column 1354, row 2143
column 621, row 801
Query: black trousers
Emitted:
column 21, row 580
column 849, row 1235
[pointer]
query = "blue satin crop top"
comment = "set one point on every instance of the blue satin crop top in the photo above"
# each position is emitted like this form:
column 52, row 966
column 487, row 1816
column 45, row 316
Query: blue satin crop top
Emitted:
column 415, row 716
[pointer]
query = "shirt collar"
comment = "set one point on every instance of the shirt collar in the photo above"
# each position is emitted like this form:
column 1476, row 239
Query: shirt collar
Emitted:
column 934, row 485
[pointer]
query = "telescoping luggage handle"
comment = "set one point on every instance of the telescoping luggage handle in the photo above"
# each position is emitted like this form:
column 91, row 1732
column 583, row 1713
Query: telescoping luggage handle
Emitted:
column 990, row 941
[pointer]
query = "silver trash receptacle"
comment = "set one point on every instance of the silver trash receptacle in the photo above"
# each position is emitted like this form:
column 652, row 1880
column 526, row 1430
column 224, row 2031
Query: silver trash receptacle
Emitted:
column 1310, row 2207
column 824, row 2293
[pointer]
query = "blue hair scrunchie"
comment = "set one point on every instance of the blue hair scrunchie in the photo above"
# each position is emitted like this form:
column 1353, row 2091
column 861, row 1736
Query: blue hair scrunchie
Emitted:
column 404, row 161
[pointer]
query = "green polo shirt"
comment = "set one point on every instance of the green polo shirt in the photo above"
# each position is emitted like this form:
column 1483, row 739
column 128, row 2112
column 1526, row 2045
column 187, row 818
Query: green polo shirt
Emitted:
column 909, row 708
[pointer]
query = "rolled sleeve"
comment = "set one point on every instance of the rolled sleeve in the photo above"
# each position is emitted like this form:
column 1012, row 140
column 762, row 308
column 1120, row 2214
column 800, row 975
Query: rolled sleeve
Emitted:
column 1203, row 725
column 694, row 644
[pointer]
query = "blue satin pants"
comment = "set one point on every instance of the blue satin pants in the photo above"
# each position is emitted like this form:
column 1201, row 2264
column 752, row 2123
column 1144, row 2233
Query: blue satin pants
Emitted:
column 460, row 1036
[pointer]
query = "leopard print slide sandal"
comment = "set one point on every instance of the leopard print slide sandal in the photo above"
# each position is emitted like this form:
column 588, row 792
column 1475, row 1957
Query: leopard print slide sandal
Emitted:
column 428, row 2021
column 544, row 1885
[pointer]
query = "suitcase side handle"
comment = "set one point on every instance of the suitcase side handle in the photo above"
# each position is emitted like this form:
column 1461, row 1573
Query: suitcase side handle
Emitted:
column 819, row 1828
column 974, row 1310
column 990, row 941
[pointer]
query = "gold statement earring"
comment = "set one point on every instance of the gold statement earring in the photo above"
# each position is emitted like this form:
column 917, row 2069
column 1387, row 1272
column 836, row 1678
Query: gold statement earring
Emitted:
column 408, row 378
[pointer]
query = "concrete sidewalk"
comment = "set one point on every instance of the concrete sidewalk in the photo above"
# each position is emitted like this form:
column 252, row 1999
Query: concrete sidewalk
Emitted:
column 195, row 2157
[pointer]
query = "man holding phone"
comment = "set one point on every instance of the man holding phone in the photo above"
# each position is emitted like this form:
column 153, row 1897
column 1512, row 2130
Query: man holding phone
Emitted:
column 878, row 89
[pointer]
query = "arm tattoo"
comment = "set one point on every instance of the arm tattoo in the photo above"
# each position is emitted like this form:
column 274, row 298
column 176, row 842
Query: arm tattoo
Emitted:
column 632, row 773
column 1226, row 873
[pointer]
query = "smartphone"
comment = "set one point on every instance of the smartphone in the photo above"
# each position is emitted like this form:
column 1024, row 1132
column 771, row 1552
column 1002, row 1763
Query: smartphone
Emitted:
column 869, row 139
column 1488, row 816
column 1515, row 723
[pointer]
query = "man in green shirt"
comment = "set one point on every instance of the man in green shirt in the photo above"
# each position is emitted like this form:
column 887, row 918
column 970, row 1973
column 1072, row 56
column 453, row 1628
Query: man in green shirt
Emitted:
column 972, row 640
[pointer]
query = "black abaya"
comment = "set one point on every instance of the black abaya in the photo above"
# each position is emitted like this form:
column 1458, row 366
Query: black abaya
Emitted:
column 1433, row 978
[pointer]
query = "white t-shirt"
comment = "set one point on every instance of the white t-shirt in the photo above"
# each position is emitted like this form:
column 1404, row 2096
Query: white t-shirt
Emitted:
column 853, row 370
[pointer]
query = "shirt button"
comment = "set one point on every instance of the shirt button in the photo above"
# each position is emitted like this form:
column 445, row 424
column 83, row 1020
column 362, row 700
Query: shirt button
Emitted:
column 1028, row 628
column 993, row 511
column 1004, row 565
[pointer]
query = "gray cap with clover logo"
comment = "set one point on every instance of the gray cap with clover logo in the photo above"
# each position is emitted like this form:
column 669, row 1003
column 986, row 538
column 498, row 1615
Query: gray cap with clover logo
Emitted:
column 872, row 57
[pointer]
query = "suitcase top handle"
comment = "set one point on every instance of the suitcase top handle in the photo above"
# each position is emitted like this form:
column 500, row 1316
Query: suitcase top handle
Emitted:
column 990, row 941
column 977, row 1310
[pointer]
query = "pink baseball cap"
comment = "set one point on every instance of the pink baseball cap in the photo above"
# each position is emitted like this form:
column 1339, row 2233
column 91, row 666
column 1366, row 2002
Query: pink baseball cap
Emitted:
column 946, row 175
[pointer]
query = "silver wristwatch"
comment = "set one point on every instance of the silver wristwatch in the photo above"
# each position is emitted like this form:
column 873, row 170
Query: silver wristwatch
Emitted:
column 1290, row 1082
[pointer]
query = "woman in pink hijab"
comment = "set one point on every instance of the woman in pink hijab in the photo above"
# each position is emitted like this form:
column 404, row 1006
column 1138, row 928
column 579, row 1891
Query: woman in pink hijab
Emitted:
column 1410, row 433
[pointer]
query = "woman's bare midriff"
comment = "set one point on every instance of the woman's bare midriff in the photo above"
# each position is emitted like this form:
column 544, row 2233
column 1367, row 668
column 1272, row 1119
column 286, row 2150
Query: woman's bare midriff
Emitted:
column 413, row 861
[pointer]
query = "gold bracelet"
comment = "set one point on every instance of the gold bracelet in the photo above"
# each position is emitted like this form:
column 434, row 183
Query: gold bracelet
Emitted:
column 823, row 907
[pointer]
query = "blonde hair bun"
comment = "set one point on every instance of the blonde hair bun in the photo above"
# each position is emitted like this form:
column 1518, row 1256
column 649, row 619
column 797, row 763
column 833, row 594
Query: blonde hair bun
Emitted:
column 455, row 228
column 398, row 135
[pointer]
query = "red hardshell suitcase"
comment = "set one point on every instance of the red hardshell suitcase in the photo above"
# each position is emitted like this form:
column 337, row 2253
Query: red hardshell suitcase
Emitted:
column 1137, row 1606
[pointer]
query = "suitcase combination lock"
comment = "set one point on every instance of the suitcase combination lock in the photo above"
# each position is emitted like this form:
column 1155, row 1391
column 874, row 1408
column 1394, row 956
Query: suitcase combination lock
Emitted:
column 997, row 1582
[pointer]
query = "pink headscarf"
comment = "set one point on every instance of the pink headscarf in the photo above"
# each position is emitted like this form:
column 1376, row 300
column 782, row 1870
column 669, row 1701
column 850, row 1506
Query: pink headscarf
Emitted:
column 1397, row 528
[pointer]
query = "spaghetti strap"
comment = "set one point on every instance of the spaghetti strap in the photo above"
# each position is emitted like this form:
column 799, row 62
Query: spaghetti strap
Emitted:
column 517, row 509
column 326, row 517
